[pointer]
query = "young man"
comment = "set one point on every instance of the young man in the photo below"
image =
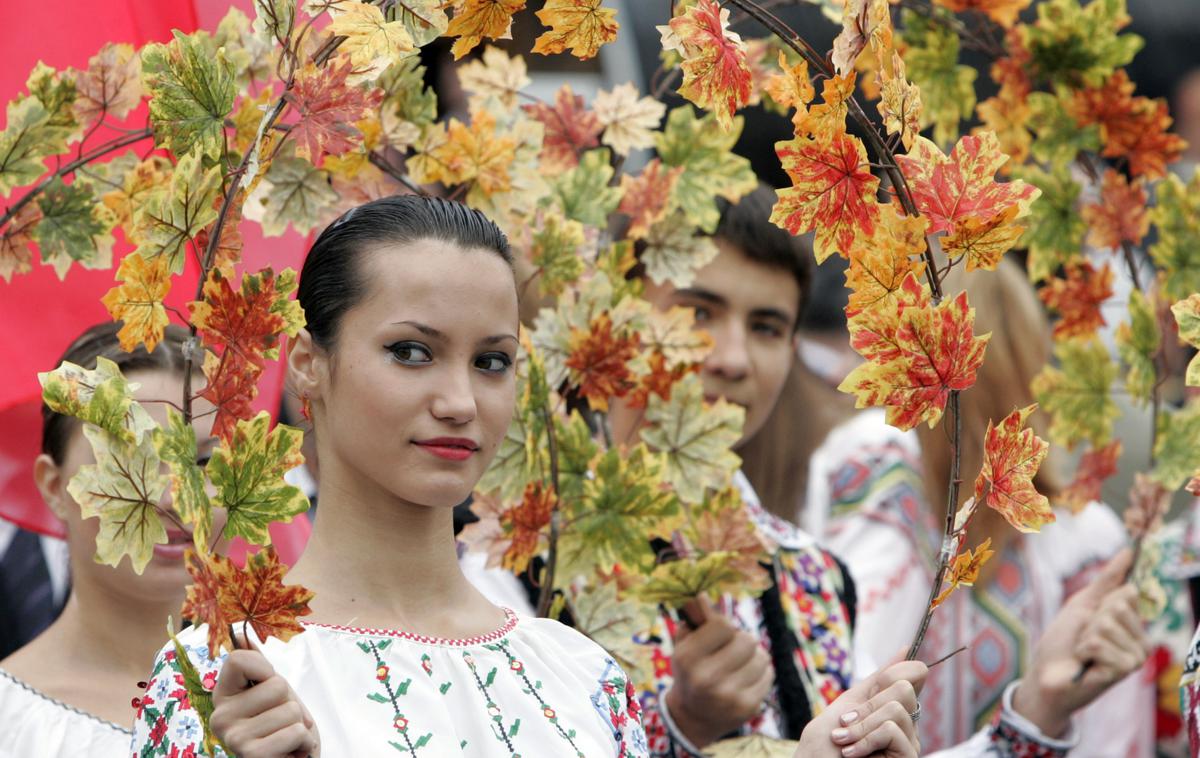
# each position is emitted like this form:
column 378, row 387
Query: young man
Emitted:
column 768, row 665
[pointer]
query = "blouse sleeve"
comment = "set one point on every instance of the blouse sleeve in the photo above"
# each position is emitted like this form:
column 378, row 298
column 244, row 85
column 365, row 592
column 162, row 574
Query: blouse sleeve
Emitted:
column 166, row 724
column 1011, row 735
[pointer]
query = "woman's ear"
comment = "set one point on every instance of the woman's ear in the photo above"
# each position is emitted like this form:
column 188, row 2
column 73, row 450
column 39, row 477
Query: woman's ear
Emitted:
column 307, row 366
column 48, row 477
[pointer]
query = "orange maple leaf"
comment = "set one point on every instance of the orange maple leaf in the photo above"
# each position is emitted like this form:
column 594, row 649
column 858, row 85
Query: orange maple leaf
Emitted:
column 579, row 25
column 833, row 192
column 229, row 248
column 524, row 523
column 877, row 271
column 599, row 360
column 1011, row 457
column 1148, row 503
column 477, row 153
column 1078, row 298
column 223, row 594
column 829, row 115
column 715, row 73
column 1007, row 114
column 231, row 388
column 138, row 301
column 478, row 19
column 569, row 126
column 1094, row 467
column 247, row 320
column 658, row 380
column 791, row 88
column 646, row 197
column 964, row 571
column 1003, row 12
column 1134, row 128
column 1121, row 215
column 328, row 108
column 950, row 189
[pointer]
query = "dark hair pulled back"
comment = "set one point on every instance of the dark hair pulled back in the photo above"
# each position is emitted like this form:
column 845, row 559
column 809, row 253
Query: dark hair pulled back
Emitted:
column 101, row 341
column 331, row 282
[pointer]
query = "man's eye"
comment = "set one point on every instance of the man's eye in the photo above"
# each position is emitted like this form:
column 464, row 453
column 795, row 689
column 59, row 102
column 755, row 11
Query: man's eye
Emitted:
column 410, row 352
column 702, row 313
column 769, row 330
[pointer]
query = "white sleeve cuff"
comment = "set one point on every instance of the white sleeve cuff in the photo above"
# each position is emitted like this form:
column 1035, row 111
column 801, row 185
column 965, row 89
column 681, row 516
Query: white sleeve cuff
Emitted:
column 1029, row 731
column 677, row 736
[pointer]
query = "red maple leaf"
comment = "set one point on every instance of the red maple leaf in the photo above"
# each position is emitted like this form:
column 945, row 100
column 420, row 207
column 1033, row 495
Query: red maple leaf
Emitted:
column 328, row 108
column 1078, row 298
column 1121, row 214
column 570, row 128
column 1011, row 457
column 232, row 387
column 249, row 320
column 1134, row 128
column 524, row 523
column 1094, row 467
column 646, row 197
column 599, row 360
column 658, row 380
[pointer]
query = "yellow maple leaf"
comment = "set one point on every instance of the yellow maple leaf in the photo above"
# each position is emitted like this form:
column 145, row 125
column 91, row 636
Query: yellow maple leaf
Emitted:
column 138, row 302
column 372, row 42
column 477, row 19
column 964, row 572
column 791, row 88
column 476, row 153
column 581, row 26
column 984, row 241
column 900, row 103
column 497, row 75
column 878, row 270
column 829, row 116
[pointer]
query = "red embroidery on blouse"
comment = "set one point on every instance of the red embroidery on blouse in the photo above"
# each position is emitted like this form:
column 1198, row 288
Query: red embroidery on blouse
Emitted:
column 510, row 623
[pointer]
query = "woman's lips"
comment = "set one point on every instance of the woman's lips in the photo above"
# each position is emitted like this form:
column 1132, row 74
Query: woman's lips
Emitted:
column 449, row 448
column 178, row 542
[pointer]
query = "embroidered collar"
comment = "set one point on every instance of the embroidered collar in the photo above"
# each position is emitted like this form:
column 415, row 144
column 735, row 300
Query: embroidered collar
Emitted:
column 510, row 623
column 60, row 704
column 784, row 534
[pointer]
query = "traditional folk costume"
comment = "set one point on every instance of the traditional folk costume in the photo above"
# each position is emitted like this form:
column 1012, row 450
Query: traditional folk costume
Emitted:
column 867, row 499
column 533, row 687
column 35, row 724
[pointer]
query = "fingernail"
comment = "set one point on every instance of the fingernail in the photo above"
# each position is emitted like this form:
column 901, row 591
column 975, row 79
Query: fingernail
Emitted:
column 849, row 717
column 851, row 751
column 839, row 734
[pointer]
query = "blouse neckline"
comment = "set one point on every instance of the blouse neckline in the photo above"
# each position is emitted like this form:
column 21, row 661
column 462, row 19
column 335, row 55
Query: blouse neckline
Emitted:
column 510, row 623
column 60, row 704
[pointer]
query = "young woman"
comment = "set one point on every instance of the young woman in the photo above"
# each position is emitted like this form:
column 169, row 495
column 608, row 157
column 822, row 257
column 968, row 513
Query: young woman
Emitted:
column 68, row 692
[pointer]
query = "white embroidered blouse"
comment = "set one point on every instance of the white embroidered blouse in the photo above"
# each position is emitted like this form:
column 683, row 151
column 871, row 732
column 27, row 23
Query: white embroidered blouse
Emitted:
column 35, row 724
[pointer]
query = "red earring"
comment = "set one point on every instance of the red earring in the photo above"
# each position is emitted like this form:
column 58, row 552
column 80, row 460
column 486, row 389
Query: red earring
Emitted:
column 306, row 408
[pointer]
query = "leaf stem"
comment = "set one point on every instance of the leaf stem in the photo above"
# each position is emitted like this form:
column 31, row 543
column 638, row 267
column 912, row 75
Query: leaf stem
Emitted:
column 546, row 596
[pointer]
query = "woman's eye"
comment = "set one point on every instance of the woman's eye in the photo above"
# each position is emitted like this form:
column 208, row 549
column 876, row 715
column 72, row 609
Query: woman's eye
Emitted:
column 410, row 352
column 493, row 362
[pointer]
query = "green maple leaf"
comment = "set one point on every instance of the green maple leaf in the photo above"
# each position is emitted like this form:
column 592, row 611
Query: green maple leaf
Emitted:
column 522, row 455
column 101, row 397
column 249, row 56
column 56, row 92
column 176, row 445
column 555, row 251
column 1177, row 440
column 1056, row 229
column 576, row 450
column 248, row 474
column 1187, row 316
column 947, row 87
column 72, row 227
column 674, row 583
column 1072, row 44
column 1176, row 215
column 1138, row 341
column 623, row 507
column 200, row 697
column 1059, row 136
column 675, row 251
column 424, row 20
column 191, row 92
column 1077, row 394
column 122, row 489
column 697, row 441
column 583, row 192
column 26, row 141
column 615, row 623
column 293, row 191
column 710, row 168
column 175, row 214
column 406, row 96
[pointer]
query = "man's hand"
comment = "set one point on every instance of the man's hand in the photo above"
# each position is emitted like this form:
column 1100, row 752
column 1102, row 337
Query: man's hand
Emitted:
column 1099, row 624
column 722, row 675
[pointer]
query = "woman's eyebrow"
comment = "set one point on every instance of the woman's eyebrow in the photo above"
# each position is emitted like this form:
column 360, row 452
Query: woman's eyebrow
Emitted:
column 498, row 338
column 422, row 328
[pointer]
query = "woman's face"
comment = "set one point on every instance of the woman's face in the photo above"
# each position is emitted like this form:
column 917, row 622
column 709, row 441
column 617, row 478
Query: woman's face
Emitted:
column 419, row 390
column 165, row 576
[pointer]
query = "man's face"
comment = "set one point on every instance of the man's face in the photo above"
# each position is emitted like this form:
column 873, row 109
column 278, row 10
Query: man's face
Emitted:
column 749, row 309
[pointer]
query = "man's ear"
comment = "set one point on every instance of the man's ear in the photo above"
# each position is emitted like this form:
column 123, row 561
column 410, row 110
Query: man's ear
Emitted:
column 307, row 366
column 48, row 477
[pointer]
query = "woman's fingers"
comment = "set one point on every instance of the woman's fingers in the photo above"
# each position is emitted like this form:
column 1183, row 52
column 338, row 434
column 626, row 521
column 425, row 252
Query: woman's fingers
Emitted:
column 891, row 711
column 887, row 739
column 241, row 669
column 292, row 740
column 901, row 691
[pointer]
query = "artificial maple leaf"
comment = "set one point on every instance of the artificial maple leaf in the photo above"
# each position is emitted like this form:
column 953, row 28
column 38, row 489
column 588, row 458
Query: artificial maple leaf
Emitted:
column 425, row 20
column 964, row 571
column 135, row 187
column 983, row 242
column 930, row 50
column 674, row 583
column 176, row 446
column 231, row 388
column 791, row 88
column 247, row 471
column 629, row 121
column 674, row 334
column 1176, row 218
column 122, row 489
column 138, row 301
column 710, row 168
column 877, row 271
column 570, row 129
column 829, row 115
column 598, row 361
column 715, row 74
column 674, row 251
column 1138, row 343
column 1078, row 298
column 1007, row 114
column 1072, row 43
column 27, row 139
column 950, row 189
column 1134, row 128
column 1121, row 215
column 721, row 524
column 202, row 605
column 696, row 439
column 600, row 611
column 646, row 198
column 173, row 215
column 914, row 358
column 1094, row 467
column 556, row 252
column 57, row 91
column 1187, row 316
column 228, row 251
column 584, row 192
column 371, row 42
column 1061, row 136
column 292, row 191
column 16, row 253
column 581, row 26
column 1077, row 393
column 1011, row 457
column 476, row 153
column 863, row 22
column 1177, row 437
column 658, row 380
column 833, row 192
column 251, row 319
column 1055, row 233
column 1149, row 501
column 101, row 397
column 497, row 75
column 328, row 107
column 523, row 524
column 1003, row 12
column 191, row 92
column 900, row 103
column 111, row 85
column 477, row 19
column 74, row 227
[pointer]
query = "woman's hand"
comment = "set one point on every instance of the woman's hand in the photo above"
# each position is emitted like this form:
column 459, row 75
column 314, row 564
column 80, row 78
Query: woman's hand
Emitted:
column 873, row 718
column 722, row 675
column 256, row 714
column 1099, row 624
